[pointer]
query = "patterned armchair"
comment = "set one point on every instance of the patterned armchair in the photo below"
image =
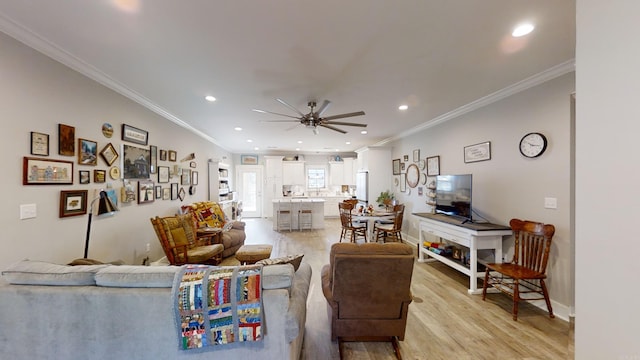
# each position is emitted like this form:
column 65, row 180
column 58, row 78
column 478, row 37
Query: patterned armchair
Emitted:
column 180, row 243
column 209, row 214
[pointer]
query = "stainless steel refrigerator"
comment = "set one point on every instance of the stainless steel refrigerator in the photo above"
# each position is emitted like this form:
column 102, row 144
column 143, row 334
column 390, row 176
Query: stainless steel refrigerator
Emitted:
column 362, row 187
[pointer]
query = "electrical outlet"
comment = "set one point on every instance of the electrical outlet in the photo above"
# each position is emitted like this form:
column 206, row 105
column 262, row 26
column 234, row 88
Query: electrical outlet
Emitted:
column 148, row 247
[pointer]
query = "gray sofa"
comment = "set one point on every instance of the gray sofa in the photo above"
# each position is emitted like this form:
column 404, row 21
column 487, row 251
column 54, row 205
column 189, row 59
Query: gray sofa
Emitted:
column 50, row 311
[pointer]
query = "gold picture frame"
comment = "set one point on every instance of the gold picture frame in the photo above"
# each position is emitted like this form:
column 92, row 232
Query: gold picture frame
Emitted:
column 109, row 154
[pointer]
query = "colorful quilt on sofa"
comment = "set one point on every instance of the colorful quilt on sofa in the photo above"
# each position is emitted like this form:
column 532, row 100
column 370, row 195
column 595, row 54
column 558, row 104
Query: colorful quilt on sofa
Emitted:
column 217, row 305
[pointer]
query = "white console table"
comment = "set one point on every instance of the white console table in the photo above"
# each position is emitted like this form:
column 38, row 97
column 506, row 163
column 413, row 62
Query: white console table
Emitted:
column 475, row 236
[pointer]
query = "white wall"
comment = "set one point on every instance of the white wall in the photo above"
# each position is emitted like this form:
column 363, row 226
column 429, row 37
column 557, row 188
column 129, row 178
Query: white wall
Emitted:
column 36, row 94
column 607, row 178
column 510, row 185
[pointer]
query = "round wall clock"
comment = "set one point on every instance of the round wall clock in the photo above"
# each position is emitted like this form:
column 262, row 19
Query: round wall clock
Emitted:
column 533, row 145
column 413, row 175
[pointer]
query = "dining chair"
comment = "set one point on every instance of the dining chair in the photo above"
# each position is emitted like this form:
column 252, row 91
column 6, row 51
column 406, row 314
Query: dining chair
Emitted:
column 349, row 227
column 393, row 230
column 523, row 277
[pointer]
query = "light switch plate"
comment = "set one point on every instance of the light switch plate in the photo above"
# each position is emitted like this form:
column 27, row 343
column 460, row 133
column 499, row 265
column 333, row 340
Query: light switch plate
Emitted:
column 550, row 203
column 28, row 211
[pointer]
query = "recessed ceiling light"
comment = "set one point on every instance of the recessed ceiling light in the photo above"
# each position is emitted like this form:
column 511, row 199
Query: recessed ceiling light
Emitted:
column 403, row 107
column 299, row 141
column 237, row 128
column 363, row 132
column 256, row 148
column 210, row 98
column 522, row 30
column 348, row 143
column 297, row 149
column 337, row 150
column 249, row 140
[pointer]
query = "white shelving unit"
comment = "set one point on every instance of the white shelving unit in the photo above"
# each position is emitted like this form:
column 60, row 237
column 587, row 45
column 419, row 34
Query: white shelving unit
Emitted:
column 219, row 181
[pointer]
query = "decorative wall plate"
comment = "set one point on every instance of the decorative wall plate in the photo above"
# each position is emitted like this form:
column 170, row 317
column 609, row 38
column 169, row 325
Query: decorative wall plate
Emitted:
column 396, row 182
column 114, row 172
column 423, row 179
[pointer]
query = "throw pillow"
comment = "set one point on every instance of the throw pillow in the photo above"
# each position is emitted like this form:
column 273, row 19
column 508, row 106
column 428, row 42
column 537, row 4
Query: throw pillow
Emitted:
column 294, row 260
column 179, row 236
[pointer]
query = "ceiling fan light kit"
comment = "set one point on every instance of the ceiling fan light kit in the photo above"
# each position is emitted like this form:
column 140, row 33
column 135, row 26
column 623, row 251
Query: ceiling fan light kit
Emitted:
column 313, row 119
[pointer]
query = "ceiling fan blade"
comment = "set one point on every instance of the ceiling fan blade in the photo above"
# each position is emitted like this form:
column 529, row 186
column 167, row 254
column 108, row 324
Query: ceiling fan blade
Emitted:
column 343, row 123
column 289, row 106
column 274, row 113
column 333, row 128
column 280, row 120
column 323, row 107
column 357, row 113
column 292, row 127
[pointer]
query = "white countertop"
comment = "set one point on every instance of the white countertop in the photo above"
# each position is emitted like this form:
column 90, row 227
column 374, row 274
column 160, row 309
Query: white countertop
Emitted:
column 318, row 200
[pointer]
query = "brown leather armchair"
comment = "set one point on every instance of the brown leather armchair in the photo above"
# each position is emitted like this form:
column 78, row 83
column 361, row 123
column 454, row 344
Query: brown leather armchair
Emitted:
column 367, row 287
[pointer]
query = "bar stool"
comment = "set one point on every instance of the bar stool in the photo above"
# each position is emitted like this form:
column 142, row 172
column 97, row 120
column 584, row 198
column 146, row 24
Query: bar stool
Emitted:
column 305, row 216
column 284, row 216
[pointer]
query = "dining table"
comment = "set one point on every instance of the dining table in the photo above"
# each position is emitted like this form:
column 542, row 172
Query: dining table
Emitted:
column 371, row 220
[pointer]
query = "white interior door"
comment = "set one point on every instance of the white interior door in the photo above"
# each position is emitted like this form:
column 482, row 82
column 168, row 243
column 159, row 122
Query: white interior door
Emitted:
column 249, row 178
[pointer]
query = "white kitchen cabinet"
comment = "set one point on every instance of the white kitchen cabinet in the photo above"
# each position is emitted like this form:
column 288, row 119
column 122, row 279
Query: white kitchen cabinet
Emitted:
column 336, row 173
column 350, row 170
column 293, row 173
column 331, row 205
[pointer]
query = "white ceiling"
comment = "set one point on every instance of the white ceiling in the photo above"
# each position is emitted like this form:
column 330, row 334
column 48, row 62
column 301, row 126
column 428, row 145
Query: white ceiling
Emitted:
column 440, row 57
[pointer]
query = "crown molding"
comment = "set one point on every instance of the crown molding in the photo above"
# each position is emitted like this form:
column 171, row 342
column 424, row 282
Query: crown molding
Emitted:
column 537, row 79
column 58, row 54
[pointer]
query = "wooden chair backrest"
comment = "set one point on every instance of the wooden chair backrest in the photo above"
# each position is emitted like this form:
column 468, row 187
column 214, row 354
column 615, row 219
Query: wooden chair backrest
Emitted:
column 345, row 213
column 397, row 220
column 532, row 244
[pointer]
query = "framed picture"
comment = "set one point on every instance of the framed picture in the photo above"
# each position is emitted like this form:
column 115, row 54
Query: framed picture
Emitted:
column 396, row 166
column 153, row 159
column 128, row 191
column 406, row 158
column 163, row 155
column 402, row 165
column 194, row 178
column 87, row 152
column 403, row 182
column 145, row 191
column 134, row 135
column 249, row 159
column 185, row 178
column 173, row 156
column 113, row 196
column 163, row 174
column 166, row 194
column 174, row 191
column 416, row 155
column 158, row 189
column 135, row 162
column 109, row 154
column 73, row 202
column 99, row 176
column 477, row 152
column 433, row 166
column 181, row 194
column 39, row 144
column 85, row 177
column 66, row 140
column 39, row 171
column 193, row 164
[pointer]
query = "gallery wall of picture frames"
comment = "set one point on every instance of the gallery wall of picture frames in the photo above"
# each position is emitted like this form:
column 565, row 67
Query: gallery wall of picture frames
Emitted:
column 142, row 168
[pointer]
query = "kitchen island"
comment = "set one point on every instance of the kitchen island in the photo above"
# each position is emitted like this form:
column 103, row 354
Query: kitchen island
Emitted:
column 315, row 204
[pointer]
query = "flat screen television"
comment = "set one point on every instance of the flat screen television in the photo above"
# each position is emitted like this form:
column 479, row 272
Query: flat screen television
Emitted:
column 453, row 196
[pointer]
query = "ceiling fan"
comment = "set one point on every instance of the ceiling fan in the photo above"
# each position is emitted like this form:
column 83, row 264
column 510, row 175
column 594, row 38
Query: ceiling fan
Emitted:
column 314, row 118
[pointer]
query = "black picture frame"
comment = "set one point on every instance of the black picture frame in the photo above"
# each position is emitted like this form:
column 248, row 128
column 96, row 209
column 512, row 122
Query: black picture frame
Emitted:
column 135, row 162
column 39, row 144
column 84, row 176
column 153, row 166
column 174, row 191
column 135, row 135
column 396, row 166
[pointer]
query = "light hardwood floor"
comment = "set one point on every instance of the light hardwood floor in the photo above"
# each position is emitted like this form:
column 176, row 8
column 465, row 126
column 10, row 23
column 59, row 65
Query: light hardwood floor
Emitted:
column 444, row 321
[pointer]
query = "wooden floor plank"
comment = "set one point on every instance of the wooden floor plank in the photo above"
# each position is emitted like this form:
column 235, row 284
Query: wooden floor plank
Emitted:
column 444, row 322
